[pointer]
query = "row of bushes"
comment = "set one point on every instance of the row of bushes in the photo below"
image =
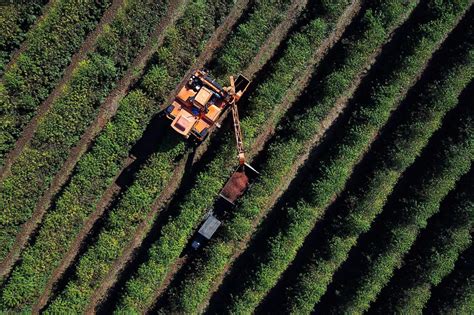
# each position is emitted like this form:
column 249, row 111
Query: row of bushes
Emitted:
column 93, row 175
column 72, row 112
column 434, row 254
column 94, row 172
column 436, row 174
column 38, row 69
column 249, row 36
column 357, row 49
column 262, row 112
column 178, row 53
column 399, row 148
column 455, row 294
column 118, row 230
column 335, row 166
column 97, row 168
column 15, row 21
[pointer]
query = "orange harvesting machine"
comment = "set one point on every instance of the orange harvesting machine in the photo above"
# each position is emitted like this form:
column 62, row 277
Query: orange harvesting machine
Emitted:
column 196, row 109
column 202, row 101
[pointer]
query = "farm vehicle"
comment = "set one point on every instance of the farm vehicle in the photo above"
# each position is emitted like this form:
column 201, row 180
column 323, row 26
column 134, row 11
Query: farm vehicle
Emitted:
column 195, row 111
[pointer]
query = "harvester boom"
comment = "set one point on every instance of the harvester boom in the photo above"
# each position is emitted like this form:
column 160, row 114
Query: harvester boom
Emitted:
column 237, row 130
column 238, row 134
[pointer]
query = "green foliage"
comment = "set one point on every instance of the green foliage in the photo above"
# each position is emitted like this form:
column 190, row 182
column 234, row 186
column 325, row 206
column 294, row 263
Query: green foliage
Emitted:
column 282, row 154
column 15, row 21
column 121, row 224
column 359, row 206
column 62, row 126
column 455, row 295
column 263, row 111
column 149, row 183
column 90, row 173
column 435, row 253
column 94, row 172
column 410, row 211
column 38, row 69
column 249, row 36
column 333, row 169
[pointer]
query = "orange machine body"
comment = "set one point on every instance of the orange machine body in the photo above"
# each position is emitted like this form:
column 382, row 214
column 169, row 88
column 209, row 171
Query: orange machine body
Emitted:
column 200, row 103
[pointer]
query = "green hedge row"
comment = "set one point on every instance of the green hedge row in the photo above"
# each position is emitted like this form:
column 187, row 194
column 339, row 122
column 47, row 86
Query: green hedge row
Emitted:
column 92, row 176
column 410, row 210
column 262, row 111
column 359, row 206
column 455, row 295
column 151, row 180
column 374, row 28
column 71, row 113
column 335, row 166
column 94, row 172
column 248, row 37
column 38, row 69
column 15, row 21
column 436, row 252
column 79, row 193
column 121, row 224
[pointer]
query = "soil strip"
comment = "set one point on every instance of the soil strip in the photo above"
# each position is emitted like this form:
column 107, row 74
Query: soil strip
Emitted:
column 328, row 122
column 30, row 129
column 341, row 103
column 28, row 133
column 24, row 45
column 106, row 112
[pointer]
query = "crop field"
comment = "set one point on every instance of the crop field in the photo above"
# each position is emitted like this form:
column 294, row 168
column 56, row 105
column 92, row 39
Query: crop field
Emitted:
column 357, row 127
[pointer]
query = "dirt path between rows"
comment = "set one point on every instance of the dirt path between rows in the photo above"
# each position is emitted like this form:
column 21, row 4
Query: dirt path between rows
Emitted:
column 214, row 42
column 28, row 133
column 340, row 27
column 312, row 144
column 24, row 44
column 374, row 137
column 106, row 112
column 30, row 129
column 111, row 192
column 267, row 50
column 265, row 53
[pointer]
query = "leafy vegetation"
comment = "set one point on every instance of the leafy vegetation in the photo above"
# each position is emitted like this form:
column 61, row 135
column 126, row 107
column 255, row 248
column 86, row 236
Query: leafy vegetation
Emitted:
column 284, row 151
column 399, row 147
column 38, row 69
column 434, row 254
column 61, row 127
column 455, row 295
column 249, row 36
column 395, row 189
column 333, row 168
column 94, row 172
column 151, row 180
column 129, row 213
column 92, row 176
column 15, row 20
column 409, row 212
column 263, row 109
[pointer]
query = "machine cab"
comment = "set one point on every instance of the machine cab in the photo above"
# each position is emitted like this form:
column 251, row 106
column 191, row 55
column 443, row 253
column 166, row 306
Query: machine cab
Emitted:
column 200, row 103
